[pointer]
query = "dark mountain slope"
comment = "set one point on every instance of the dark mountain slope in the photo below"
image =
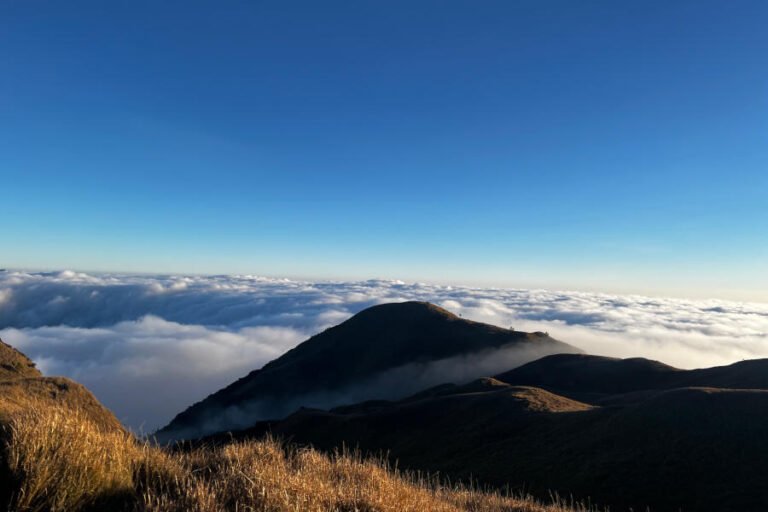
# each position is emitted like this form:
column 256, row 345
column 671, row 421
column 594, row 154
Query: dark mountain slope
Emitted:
column 591, row 377
column 750, row 374
column 678, row 449
column 385, row 351
column 454, row 431
column 582, row 373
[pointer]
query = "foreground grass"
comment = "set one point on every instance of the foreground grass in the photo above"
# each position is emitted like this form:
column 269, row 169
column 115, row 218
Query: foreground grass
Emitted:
column 57, row 459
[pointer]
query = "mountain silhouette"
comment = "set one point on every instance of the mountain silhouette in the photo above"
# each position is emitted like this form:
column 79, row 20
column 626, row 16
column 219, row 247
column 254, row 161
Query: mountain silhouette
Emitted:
column 582, row 374
column 637, row 436
column 385, row 351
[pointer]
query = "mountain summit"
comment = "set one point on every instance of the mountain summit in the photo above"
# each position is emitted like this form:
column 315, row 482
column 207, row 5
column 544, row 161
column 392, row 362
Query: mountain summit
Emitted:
column 385, row 351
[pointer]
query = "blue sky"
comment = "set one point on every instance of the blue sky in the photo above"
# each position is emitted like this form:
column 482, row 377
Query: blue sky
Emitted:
column 601, row 145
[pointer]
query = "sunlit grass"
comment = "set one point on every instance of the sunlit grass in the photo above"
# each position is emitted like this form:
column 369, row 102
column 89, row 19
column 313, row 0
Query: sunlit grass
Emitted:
column 59, row 460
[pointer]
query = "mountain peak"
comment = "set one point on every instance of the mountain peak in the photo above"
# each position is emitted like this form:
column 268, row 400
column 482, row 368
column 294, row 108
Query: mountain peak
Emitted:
column 411, row 307
column 385, row 351
column 408, row 312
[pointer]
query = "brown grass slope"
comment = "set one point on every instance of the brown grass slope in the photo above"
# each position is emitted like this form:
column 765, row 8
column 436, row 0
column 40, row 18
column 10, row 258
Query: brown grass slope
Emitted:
column 680, row 449
column 60, row 453
column 15, row 396
column 22, row 384
column 14, row 364
column 373, row 341
column 24, row 389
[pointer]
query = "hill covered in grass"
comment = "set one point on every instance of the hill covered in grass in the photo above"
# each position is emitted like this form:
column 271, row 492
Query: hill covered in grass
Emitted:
column 61, row 451
column 386, row 351
column 15, row 365
column 629, row 434
column 21, row 385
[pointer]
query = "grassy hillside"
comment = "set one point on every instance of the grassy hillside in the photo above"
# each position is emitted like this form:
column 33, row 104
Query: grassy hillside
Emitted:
column 702, row 449
column 14, row 364
column 61, row 451
column 59, row 460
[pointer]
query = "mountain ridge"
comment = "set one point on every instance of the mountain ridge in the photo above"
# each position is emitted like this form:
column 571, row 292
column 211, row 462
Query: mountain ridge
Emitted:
column 358, row 358
column 586, row 373
column 694, row 447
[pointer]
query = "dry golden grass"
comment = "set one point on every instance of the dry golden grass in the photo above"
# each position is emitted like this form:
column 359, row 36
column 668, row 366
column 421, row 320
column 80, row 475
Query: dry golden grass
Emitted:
column 59, row 460
column 19, row 395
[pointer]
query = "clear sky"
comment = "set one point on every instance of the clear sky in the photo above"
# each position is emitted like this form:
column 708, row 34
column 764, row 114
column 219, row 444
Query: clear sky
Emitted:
column 602, row 145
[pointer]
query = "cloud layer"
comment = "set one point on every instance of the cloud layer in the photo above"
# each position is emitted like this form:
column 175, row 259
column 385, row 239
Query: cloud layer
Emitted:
column 149, row 346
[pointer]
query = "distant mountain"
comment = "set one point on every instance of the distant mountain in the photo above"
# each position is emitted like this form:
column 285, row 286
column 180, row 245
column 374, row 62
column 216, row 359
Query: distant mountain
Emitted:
column 630, row 442
column 587, row 374
column 386, row 351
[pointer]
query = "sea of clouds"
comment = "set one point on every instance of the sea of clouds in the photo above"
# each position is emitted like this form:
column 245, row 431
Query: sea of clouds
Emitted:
column 149, row 346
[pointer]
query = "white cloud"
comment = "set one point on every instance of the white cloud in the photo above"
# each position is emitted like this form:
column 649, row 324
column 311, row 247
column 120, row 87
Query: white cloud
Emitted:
column 148, row 346
column 149, row 369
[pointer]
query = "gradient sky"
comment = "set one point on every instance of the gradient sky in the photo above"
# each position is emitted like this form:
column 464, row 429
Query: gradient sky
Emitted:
column 602, row 145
